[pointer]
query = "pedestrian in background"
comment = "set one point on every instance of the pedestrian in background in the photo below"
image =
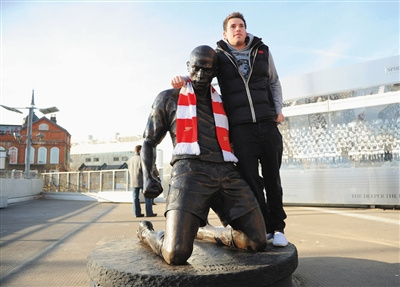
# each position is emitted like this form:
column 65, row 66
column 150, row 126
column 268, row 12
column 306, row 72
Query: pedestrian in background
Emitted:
column 136, row 183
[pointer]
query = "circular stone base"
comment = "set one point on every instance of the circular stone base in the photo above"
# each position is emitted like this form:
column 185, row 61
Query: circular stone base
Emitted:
column 129, row 262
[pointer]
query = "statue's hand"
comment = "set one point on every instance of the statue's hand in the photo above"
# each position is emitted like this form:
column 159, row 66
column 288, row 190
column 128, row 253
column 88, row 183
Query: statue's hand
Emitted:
column 152, row 188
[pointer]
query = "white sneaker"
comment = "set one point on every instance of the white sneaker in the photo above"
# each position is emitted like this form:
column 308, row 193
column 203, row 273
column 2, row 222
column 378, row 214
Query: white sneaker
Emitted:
column 269, row 236
column 279, row 239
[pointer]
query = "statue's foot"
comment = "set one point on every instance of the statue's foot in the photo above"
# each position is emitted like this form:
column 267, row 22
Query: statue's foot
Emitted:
column 200, row 233
column 220, row 234
column 144, row 226
column 206, row 231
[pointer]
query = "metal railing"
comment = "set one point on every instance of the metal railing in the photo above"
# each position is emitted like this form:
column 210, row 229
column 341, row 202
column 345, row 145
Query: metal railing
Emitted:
column 87, row 181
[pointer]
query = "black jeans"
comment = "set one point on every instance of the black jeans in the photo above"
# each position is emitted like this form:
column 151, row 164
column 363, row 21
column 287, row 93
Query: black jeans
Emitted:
column 256, row 143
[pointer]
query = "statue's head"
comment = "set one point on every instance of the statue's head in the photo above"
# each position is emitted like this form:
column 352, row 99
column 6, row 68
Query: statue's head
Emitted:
column 202, row 67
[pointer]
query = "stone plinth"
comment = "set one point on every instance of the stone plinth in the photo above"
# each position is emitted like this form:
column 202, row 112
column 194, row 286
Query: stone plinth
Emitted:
column 129, row 262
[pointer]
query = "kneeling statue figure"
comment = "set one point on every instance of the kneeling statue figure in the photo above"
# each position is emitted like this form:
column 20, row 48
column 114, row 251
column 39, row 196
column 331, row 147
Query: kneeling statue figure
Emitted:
column 204, row 174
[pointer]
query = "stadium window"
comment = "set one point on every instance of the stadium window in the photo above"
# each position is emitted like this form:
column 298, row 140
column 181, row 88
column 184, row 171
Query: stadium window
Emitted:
column 116, row 158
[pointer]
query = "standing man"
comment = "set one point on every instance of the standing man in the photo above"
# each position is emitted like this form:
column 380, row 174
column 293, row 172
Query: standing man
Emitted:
column 203, row 173
column 252, row 97
column 136, row 183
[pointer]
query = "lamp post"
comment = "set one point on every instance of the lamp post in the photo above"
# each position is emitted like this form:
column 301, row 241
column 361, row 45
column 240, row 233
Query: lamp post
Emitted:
column 29, row 136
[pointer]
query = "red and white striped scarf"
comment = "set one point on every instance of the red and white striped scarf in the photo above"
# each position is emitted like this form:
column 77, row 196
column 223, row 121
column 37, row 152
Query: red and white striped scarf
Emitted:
column 186, row 124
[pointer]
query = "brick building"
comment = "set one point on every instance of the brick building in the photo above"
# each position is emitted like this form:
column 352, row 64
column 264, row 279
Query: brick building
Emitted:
column 50, row 150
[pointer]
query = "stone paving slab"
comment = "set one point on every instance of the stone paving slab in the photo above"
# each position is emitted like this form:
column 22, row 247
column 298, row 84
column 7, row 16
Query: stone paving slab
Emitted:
column 47, row 242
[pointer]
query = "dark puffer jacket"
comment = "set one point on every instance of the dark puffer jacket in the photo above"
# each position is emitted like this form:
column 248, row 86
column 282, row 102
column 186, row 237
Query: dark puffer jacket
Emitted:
column 246, row 101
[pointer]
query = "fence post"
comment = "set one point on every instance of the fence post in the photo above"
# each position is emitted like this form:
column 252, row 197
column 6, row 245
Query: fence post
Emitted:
column 58, row 182
column 113, row 180
column 68, row 182
column 101, row 181
column 127, row 180
column 78, row 182
column 89, row 180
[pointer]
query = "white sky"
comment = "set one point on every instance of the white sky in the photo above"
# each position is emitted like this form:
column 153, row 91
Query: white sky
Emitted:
column 103, row 62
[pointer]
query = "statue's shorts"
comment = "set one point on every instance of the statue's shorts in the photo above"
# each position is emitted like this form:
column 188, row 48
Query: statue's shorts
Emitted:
column 197, row 186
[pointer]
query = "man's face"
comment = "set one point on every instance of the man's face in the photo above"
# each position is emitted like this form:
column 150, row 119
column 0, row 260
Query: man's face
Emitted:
column 236, row 33
column 201, row 69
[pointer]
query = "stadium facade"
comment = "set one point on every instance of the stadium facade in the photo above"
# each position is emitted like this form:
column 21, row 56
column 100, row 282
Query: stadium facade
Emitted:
column 341, row 135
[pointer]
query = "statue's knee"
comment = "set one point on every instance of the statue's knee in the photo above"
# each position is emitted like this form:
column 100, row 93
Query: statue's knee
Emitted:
column 260, row 242
column 255, row 242
column 176, row 256
column 260, row 245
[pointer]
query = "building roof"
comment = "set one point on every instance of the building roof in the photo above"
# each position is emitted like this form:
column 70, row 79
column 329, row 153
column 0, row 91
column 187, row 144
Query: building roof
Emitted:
column 366, row 74
column 104, row 166
column 94, row 148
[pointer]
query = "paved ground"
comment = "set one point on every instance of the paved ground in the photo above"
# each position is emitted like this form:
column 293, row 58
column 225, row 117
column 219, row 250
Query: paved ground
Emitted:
column 46, row 242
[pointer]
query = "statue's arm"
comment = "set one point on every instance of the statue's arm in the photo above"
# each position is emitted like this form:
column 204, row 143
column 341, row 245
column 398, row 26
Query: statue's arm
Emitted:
column 151, row 186
column 155, row 131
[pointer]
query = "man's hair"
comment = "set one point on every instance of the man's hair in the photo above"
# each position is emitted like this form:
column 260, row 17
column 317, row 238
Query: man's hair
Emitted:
column 138, row 148
column 231, row 16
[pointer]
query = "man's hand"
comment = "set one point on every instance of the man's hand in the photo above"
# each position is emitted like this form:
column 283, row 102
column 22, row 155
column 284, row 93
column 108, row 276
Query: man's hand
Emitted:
column 152, row 188
column 279, row 118
column 178, row 82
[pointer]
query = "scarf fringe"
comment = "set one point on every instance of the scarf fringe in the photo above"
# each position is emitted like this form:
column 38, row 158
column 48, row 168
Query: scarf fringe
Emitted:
column 228, row 156
column 187, row 148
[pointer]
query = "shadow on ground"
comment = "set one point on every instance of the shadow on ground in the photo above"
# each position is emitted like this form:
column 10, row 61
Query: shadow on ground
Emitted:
column 322, row 271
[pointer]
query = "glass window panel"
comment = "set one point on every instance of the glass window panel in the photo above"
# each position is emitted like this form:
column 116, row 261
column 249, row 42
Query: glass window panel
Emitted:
column 42, row 155
column 54, row 155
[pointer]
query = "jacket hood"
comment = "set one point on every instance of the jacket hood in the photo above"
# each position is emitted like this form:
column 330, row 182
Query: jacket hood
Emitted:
column 251, row 41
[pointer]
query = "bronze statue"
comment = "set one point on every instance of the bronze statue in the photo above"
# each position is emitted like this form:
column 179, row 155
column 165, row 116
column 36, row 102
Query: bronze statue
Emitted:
column 204, row 174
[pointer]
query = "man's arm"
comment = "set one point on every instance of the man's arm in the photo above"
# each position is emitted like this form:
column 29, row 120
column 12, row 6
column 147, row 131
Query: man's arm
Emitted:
column 276, row 89
column 178, row 82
